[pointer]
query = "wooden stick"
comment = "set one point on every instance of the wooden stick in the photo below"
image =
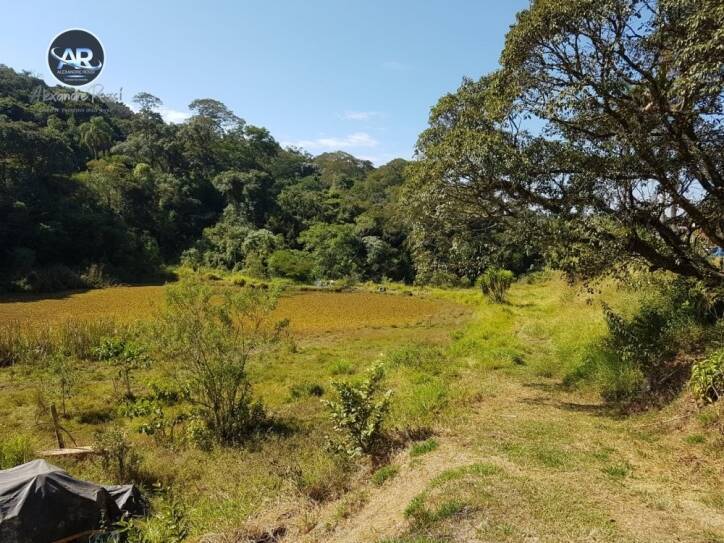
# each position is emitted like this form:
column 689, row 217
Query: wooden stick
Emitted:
column 56, row 427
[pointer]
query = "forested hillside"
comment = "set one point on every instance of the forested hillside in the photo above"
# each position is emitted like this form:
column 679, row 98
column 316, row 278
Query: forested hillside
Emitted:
column 91, row 191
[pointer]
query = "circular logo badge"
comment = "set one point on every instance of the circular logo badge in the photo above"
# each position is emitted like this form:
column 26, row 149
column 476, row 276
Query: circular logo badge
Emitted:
column 75, row 57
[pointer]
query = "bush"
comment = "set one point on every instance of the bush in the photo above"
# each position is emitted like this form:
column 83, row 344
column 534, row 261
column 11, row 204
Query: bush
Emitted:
column 707, row 378
column 292, row 264
column 126, row 355
column 118, row 455
column 495, row 282
column 63, row 377
column 51, row 279
column 15, row 451
column 638, row 355
column 167, row 525
column 359, row 413
column 211, row 333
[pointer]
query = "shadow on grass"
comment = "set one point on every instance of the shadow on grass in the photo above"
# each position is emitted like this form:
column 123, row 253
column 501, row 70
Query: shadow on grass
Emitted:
column 611, row 411
column 25, row 297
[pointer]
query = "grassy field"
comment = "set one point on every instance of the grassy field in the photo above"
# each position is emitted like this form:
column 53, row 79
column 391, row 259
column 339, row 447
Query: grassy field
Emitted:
column 491, row 446
column 308, row 312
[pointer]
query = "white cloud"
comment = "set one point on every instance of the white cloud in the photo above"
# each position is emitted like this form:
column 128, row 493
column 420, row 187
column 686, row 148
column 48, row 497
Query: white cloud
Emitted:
column 383, row 158
column 360, row 115
column 169, row 115
column 355, row 140
column 173, row 116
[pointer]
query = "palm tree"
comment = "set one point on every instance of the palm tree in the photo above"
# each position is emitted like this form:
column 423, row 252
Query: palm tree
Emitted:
column 96, row 134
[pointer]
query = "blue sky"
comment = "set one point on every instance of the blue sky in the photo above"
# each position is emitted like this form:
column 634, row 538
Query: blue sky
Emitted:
column 324, row 75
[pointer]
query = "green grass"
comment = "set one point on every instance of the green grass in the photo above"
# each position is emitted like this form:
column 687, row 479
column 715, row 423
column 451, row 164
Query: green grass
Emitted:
column 385, row 473
column 504, row 388
column 423, row 447
column 15, row 451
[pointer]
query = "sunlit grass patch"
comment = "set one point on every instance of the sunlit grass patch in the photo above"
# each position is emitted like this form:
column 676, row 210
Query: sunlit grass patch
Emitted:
column 479, row 499
column 423, row 447
column 341, row 367
column 383, row 474
column 617, row 471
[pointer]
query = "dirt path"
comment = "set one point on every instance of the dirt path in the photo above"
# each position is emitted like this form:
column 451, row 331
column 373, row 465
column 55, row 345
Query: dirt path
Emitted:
column 382, row 515
column 633, row 507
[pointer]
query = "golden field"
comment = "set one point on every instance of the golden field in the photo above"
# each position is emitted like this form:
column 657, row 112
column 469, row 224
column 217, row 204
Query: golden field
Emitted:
column 309, row 312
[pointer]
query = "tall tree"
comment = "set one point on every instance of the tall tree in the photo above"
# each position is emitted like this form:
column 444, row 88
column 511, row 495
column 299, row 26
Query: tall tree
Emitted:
column 630, row 154
column 96, row 134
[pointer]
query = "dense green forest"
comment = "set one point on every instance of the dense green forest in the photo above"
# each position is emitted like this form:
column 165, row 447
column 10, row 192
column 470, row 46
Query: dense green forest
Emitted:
column 594, row 148
column 92, row 192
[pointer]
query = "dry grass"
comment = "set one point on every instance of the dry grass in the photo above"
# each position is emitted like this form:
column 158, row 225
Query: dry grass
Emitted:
column 117, row 302
column 309, row 312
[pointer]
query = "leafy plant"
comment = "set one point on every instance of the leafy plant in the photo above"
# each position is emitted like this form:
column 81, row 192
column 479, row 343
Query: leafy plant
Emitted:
column 118, row 455
column 495, row 282
column 291, row 263
column 168, row 525
column 212, row 333
column 707, row 378
column 126, row 355
column 64, row 377
column 358, row 414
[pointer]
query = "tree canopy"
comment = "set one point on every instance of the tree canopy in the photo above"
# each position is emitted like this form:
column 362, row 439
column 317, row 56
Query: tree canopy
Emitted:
column 93, row 184
column 604, row 123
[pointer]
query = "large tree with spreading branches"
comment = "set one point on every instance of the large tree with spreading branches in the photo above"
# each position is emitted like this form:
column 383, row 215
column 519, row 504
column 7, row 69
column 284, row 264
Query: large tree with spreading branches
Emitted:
column 605, row 119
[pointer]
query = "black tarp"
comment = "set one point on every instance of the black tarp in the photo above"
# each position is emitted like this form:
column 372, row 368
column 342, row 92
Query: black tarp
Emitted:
column 41, row 503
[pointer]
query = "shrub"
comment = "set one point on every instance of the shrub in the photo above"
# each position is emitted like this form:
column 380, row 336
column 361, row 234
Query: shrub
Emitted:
column 51, row 279
column 167, row 525
column 358, row 414
column 639, row 341
column 212, row 333
column 15, row 451
column 126, row 355
column 638, row 354
column 63, row 377
column 118, row 455
column 707, row 378
column 292, row 264
column 495, row 282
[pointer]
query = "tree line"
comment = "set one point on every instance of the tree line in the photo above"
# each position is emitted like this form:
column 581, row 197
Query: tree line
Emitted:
column 96, row 190
column 596, row 146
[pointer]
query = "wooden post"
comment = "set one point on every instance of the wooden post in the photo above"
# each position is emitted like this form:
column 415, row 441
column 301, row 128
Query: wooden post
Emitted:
column 56, row 427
